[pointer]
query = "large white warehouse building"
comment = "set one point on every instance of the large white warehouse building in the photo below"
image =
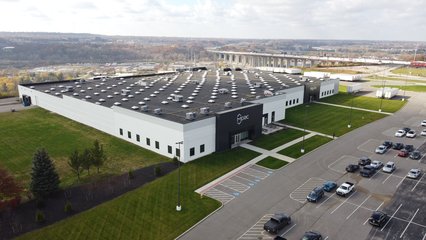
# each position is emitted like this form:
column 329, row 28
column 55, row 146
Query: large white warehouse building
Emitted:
column 207, row 110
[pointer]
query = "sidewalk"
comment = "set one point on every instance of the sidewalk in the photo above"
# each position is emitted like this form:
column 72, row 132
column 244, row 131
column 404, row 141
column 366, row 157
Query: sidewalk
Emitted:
column 356, row 108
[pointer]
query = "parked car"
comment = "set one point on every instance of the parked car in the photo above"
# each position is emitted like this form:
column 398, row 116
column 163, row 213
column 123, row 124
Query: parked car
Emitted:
column 411, row 134
column 409, row 148
column 352, row 168
column 400, row 133
column 378, row 218
column 345, row 189
column 381, row 149
column 398, row 146
column 423, row 123
column 315, row 195
column 415, row 155
column 312, row 235
column 277, row 222
column 376, row 164
column 403, row 153
column 414, row 173
column 279, row 238
column 423, row 133
column 367, row 171
column 389, row 167
column 364, row 161
column 387, row 144
column 406, row 129
column 329, row 186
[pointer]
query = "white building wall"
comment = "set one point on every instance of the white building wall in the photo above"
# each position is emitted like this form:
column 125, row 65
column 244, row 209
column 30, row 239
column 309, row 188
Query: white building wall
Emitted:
column 199, row 133
column 294, row 96
column 329, row 88
column 273, row 104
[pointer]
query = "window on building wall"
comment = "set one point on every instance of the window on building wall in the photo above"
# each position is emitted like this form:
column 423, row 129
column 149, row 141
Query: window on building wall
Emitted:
column 177, row 152
column 169, row 149
column 332, row 91
column 286, row 103
column 202, row 148
column 138, row 138
column 297, row 100
column 148, row 141
column 129, row 134
column 294, row 101
column 121, row 131
column 157, row 145
column 191, row 152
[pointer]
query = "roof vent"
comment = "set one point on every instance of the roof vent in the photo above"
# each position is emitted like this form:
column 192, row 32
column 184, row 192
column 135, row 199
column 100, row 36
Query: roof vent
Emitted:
column 190, row 116
column 223, row 91
column 177, row 98
column 125, row 92
column 228, row 105
column 144, row 108
column 205, row 110
column 157, row 111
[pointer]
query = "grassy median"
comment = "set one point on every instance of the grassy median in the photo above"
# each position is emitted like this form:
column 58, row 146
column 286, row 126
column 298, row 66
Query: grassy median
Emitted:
column 277, row 139
column 309, row 145
column 272, row 163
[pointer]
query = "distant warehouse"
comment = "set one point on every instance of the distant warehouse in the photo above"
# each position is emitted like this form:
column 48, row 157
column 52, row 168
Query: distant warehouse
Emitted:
column 209, row 110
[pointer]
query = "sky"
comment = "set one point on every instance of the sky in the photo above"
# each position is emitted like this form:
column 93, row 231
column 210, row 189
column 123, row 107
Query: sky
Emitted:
column 261, row 19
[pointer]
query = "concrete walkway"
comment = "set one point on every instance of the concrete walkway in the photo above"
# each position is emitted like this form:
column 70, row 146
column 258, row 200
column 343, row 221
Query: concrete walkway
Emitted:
column 267, row 152
column 361, row 109
column 301, row 129
column 277, row 149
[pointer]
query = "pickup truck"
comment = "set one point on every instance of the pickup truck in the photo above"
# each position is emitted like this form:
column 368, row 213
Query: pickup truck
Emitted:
column 345, row 189
column 277, row 222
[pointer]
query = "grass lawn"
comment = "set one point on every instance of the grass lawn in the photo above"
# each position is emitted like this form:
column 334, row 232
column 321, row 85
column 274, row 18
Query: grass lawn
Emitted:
column 407, row 70
column 272, row 163
column 343, row 88
column 149, row 212
column 331, row 70
column 413, row 88
column 23, row 132
column 400, row 79
column 310, row 144
column 371, row 103
column 328, row 119
column 277, row 139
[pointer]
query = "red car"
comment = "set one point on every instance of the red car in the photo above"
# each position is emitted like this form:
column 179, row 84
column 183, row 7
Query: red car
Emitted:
column 403, row 153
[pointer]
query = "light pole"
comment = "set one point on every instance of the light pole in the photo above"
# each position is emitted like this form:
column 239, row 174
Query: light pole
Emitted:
column 178, row 206
column 302, row 150
column 350, row 115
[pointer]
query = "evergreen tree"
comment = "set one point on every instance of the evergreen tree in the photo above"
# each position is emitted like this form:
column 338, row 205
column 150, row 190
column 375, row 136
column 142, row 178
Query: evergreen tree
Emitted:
column 86, row 160
column 44, row 178
column 75, row 162
column 98, row 155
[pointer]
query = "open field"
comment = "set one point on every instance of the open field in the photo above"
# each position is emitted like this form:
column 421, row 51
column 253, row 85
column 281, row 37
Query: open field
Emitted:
column 370, row 103
column 277, row 139
column 413, row 88
column 331, row 70
column 149, row 212
column 272, row 163
column 309, row 145
column 399, row 79
column 343, row 88
column 23, row 132
column 410, row 71
column 328, row 119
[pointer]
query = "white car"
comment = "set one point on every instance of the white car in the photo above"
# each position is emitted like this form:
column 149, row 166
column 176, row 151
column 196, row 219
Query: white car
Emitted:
column 376, row 164
column 381, row 149
column 423, row 133
column 389, row 167
column 400, row 133
column 414, row 173
column 411, row 134
column 423, row 123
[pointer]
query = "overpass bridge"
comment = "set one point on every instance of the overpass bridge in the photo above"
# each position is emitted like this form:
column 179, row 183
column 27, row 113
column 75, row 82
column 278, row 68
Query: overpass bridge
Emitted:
column 253, row 59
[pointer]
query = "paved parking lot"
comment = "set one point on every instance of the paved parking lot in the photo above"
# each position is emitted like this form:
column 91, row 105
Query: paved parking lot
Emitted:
column 237, row 184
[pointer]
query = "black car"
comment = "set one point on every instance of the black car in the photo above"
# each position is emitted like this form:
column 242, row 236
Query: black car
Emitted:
column 406, row 129
column 409, row 148
column 378, row 218
column 387, row 144
column 416, row 155
column 398, row 146
column 367, row 171
column 352, row 168
column 364, row 161
column 279, row 238
column 277, row 222
column 315, row 195
column 312, row 235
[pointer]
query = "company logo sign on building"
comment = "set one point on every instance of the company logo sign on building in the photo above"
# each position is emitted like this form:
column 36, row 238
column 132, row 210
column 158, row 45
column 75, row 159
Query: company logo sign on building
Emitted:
column 241, row 118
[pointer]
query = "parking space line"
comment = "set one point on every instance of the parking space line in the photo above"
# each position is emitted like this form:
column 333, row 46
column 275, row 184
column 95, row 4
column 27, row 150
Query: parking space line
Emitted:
column 244, row 178
column 402, row 234
column 391, row 217
column 358, row 207
column 326, row 238
column 424, row 237
column 257, row 177
column 374, row 210
column 373, row 175
column 390, row 175
column 255, row 231
column 400, row 182
column 417, row 183
column 332, row 164
column 288, row 230
column 343, row 203
column 325, row 200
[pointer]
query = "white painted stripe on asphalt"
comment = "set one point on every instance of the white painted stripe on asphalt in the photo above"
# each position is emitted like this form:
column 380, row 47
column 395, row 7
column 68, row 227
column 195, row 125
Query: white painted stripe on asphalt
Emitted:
column 332, row 164
column 288, row 230
column 391, row 217
column 390, row 175
column 343, row 203
column 424, row 237
column 380, row 205
column 326, row 238
column 400, row 182
column 402, row 234
column 417, row 183
column 358, row 207
column 373, row 175
column 325, row 200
